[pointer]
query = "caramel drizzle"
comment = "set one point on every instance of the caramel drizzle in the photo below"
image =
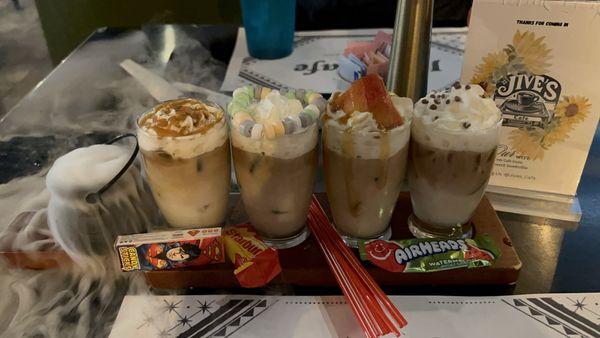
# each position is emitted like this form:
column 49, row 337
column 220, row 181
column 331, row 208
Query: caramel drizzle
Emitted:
column 202, row 118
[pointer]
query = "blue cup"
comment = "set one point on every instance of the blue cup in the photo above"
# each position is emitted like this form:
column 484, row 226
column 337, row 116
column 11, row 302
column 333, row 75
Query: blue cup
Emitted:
column 269, row 27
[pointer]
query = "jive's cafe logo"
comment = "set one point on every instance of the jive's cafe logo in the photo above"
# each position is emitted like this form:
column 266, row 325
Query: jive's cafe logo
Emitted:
column 527, row 100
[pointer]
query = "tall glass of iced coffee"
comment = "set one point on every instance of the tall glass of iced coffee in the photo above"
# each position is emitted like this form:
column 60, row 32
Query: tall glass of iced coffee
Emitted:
column 274, row 136
column 185, row 150
column 365, row 145
column 453, row 147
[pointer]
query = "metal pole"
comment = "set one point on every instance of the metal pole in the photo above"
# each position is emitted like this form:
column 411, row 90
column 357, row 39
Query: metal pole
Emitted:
column 409, row 61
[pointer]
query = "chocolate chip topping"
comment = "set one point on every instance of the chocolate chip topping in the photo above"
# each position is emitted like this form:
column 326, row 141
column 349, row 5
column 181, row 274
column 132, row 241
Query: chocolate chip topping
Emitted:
column 456, row 85
column 435, row 118
column 466, row 125
column 448, row 101
column 432, row 96
column 433, row 107
column 437, row 101
column 424, row 101
column 467, row 87
column 457, row 99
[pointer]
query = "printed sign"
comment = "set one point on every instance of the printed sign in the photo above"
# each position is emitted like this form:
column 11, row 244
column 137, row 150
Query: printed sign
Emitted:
column 541, row 68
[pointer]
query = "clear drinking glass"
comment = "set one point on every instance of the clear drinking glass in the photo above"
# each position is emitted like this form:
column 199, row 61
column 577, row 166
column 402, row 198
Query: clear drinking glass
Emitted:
column 189, row 175
column 448, row 173
column 276, row 183
column 364, row 173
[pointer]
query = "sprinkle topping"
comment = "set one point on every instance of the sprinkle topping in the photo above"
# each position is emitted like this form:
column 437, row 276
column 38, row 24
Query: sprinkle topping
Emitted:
column 273, row 113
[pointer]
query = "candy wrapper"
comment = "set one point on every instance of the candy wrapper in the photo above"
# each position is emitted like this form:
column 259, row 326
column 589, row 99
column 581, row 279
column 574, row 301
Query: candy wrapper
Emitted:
column 429, row 254
column 170, row 249
column 255, row 263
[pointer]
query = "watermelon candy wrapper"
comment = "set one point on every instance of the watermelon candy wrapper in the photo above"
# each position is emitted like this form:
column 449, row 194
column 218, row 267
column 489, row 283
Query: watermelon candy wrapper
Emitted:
column 430, row 254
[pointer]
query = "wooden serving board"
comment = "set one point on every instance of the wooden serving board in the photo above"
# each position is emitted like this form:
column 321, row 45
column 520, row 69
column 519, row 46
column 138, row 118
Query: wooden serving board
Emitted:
column 305, row 265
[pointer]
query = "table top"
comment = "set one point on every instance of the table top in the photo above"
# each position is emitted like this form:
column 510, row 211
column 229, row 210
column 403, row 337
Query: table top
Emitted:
column 88, row 98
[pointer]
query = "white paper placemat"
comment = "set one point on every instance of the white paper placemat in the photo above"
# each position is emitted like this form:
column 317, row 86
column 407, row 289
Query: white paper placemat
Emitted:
column 313, row 63
column 541, row 315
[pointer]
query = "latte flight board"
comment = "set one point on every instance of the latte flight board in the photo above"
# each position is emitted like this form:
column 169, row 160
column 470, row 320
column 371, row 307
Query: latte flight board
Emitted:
column 304, row 265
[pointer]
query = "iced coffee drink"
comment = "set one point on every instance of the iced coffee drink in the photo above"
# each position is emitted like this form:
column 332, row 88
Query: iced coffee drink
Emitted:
column 274, row 136
column 453, row 147
column 185, row 150
column 365, row 145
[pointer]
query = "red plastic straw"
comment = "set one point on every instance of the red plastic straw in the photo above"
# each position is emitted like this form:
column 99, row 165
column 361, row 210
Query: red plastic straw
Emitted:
column 371, row 326
column 372, row 299
column 366, row 278
column 376, row 314
column 354, row 300
column 371, row 302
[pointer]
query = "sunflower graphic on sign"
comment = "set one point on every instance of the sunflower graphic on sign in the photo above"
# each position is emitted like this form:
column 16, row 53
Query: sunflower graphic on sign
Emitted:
column 530, row 99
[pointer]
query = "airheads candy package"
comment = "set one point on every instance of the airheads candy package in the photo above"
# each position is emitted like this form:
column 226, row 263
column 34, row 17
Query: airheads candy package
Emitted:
column 170, row 249
column 429, row 254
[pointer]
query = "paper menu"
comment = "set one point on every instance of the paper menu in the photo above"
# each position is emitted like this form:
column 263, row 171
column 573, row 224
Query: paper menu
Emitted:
column 544, row 315
column 539, row 60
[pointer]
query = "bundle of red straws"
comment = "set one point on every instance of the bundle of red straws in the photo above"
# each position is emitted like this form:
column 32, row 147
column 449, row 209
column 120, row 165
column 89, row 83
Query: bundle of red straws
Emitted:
column 373, row 309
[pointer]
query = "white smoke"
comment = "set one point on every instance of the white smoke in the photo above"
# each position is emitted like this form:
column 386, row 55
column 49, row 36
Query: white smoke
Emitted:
column 85, row 228
column 65, row 302
column 90, row 93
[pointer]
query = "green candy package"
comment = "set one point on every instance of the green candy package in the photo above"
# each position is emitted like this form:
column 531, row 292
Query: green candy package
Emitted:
column 429, row 254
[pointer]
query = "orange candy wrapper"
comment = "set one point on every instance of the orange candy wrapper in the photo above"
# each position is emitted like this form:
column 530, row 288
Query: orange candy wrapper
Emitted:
column 255, row 263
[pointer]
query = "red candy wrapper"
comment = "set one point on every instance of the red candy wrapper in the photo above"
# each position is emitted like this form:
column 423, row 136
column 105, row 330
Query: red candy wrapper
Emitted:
column 429, row 254
column 170, row 249
column 255, row 263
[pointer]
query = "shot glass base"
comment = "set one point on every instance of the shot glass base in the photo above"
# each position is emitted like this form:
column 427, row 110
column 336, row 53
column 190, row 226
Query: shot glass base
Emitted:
column 287, row 242
column 421, row 229
column 353, row 241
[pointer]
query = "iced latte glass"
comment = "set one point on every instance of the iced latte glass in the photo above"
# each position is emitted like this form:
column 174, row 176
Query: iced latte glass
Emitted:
column 365, row 146
column 453, row 147
column 185, row 150
column 274, row 136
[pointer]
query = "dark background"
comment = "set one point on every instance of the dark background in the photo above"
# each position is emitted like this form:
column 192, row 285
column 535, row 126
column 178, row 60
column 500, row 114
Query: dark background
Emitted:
column 68, row 22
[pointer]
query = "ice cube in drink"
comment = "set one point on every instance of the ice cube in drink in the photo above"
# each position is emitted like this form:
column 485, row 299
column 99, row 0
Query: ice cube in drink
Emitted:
column 453, row 147
column 365, row 146
column 185, row 150
column 274, row 136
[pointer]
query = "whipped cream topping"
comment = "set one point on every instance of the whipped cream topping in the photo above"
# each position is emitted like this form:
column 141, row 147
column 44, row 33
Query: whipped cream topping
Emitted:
column 180, row 117
column 179, row 137
column 459, row 118
column 458, row 108
column 359, row 135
